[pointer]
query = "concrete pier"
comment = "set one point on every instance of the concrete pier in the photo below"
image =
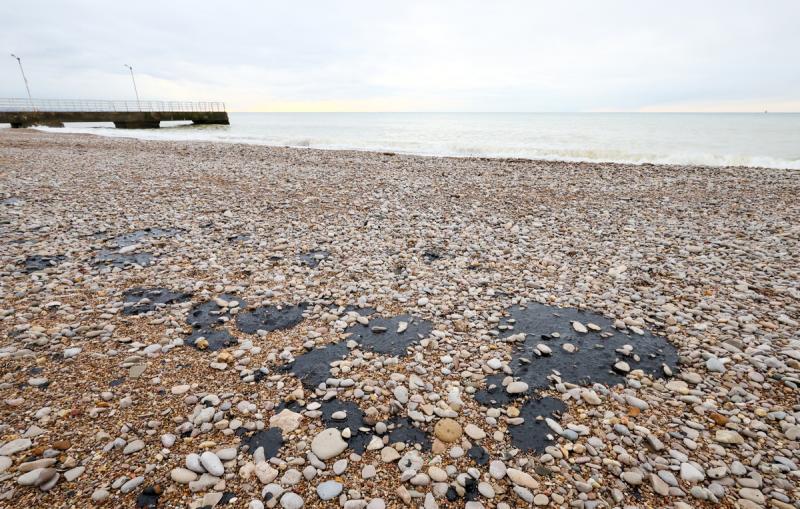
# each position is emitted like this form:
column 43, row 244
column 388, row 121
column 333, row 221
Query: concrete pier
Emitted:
column 124, row 114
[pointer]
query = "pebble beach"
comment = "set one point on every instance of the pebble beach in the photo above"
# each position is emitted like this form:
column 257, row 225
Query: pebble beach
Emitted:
column 192, row 324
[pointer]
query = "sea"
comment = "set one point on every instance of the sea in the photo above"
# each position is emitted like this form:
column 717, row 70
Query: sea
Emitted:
column 716, row 139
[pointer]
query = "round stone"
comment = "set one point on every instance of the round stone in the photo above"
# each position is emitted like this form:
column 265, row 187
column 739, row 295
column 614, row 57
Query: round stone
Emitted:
column 328, row 444
column 728, row 436
column 329, row 489
column 182, row 475
column 517, row 388
column 291, row 500
column 474, row 432
column 212, row 464
column 447, row 430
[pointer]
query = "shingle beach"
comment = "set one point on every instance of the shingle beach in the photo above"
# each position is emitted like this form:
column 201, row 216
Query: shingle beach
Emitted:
column 190, row 324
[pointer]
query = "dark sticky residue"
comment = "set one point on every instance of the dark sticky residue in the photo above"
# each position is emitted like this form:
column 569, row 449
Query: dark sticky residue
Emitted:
column 404, row 430
column 531, row 435
column 470, row 490
column 106, row 257
column 431, row 255
column 313, row 367
column 382, row 336
column 240, row 237
column 209, row 313
column 128, row 239
column 148, row 498
column 313, row 258
column 592, row 362
column 270, row 318
column 155, row 298
column 270, row 439
column 478, row 454
column 493, row 392
column 354, row 419
column 36, row 263
column 595, row 355
column 207, row 320
column 217, row 339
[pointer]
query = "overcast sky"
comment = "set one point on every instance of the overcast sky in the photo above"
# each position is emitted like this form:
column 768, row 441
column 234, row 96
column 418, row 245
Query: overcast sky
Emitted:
column 411, row 55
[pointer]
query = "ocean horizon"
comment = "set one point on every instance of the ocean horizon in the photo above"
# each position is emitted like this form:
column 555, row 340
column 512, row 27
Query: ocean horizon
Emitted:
column 714, row 139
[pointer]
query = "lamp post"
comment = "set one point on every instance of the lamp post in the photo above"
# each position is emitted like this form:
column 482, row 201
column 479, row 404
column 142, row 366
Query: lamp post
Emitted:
column 25, row 79
column 138, row 103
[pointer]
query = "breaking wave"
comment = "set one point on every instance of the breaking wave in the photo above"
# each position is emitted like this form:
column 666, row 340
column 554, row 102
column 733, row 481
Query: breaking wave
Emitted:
column 755, row 140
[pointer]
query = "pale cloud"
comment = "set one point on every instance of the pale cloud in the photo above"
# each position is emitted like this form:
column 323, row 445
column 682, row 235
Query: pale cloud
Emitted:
column 412, row 55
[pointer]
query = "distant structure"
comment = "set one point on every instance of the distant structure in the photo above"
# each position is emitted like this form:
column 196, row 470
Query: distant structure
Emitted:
column 124, row 114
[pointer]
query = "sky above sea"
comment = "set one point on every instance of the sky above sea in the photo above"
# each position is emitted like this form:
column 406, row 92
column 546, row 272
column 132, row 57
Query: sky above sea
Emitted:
column 414, row 55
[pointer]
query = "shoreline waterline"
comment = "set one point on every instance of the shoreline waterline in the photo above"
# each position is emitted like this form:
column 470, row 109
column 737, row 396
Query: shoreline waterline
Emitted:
column 731, row 139
column 123, row 135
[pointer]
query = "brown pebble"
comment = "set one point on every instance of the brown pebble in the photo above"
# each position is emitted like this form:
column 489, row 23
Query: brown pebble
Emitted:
column 61, row 445
column 718, row 418
column 447, row 430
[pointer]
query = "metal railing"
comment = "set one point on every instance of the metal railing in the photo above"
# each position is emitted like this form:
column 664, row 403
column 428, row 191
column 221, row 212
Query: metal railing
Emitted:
column 15, row 105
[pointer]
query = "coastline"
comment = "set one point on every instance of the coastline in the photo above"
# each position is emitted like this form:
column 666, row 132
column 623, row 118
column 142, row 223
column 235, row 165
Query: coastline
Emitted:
column 685, row 139
column 382, row 152
column 705, row 258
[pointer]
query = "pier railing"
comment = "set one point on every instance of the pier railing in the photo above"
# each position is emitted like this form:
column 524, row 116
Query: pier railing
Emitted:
column 61, row 105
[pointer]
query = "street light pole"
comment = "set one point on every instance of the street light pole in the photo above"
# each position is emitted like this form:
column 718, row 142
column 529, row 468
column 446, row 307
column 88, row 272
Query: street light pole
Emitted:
column 25, row 79
column 134, row 87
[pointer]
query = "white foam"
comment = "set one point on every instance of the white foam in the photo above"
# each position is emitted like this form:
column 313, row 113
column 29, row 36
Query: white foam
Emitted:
column 691, row 139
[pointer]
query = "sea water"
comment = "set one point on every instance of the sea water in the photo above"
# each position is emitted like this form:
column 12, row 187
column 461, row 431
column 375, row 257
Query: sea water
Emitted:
column 717, row 139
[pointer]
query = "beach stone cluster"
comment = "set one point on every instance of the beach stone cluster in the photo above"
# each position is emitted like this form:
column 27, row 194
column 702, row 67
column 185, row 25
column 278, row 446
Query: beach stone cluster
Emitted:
column 210, row 325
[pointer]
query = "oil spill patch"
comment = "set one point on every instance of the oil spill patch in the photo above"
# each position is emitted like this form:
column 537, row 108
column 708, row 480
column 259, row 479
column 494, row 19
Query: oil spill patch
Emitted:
column 313, row 367
column 270, row 318
column 114, row 259
column 532, row 434
column 211, row 339
column 403, row 430
column 211, row 313
column 128, row 239
column 313, row 258
column 36, row 263
column 554, row 342
column 391, row 336
column 144, row 300
column 270, row 439
column 594, row 352
column 208, row 318
column 353, row 419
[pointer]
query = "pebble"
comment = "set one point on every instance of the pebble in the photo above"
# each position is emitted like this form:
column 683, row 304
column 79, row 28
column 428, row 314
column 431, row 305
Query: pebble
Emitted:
column 328, row 444
column 132, row 484
column 579, row 327
column 517, row 388
column 291, row 500
column 720, row 291
column 474, row 432
column 100, row 495
column 690, row 473
column 521, row 478
column 134, row 446
column 447, row 430
column 286, row 420
column 728, row 436
column 329, row 489
column 14, row 446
